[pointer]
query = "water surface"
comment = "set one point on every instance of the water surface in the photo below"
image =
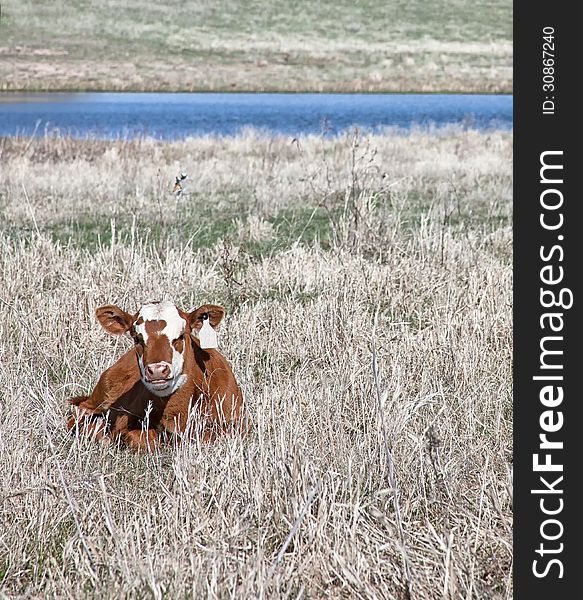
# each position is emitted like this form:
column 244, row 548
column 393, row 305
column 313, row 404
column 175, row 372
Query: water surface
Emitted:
column 177, row 116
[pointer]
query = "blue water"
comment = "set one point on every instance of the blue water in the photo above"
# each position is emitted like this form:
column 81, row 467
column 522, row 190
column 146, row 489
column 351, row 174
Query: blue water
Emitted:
column 176, row 116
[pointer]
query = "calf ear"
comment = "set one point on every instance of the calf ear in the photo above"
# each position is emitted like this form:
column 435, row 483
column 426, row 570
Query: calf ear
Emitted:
column 113, row 319
column 215, row 315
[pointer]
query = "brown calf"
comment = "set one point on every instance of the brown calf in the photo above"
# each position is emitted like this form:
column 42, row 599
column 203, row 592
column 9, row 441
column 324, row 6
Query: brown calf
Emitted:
column 148, row 393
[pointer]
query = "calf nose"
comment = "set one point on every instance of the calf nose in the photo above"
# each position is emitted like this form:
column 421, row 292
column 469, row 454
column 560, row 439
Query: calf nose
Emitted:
column 160, row 370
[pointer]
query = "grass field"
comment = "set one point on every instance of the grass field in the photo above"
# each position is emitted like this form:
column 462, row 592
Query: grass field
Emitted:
column 368, row 288
column 371, row 46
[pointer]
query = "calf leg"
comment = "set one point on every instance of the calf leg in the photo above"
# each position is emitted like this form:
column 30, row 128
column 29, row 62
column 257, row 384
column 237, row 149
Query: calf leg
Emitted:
column 114, row 384
column 87, row 424
column 141, row 440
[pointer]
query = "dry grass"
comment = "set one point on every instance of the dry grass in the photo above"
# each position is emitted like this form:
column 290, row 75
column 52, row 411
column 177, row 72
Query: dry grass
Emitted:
column 247, row 45
column 379, row 456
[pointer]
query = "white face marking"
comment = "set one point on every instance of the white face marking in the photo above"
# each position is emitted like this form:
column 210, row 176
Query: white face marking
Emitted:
column 177, row 361
column 174, row 328
column 162, row 311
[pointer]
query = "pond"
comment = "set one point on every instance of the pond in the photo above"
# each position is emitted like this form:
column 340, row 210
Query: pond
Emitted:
column 181, row 115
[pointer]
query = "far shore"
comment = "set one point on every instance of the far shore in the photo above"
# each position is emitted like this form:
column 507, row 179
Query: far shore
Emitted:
column 21, row 81
column 27, row 95
column 257, row 47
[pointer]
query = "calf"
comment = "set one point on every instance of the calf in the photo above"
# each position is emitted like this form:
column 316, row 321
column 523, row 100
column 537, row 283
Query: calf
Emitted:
column 148, row 393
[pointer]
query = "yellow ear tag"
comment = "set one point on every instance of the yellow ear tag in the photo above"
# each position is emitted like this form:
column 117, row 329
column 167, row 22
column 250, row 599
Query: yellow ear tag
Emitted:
column 207, row 336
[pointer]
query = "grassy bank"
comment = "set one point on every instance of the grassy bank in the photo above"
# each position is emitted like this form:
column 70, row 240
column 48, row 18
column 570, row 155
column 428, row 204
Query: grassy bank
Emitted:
column 371, row 46
column 308, row 245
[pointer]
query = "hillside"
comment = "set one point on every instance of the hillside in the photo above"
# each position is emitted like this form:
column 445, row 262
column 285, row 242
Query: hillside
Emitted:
column 371, row 46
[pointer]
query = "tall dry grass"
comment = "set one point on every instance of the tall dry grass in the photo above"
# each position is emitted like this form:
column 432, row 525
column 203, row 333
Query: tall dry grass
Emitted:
column 368, row 281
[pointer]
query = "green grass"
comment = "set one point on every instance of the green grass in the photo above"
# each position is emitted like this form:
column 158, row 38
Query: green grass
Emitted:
column 164, row 26
column 93, row 232
column 291, row 225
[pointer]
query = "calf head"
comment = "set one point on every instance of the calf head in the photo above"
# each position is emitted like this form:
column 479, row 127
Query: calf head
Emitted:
column 161, row 333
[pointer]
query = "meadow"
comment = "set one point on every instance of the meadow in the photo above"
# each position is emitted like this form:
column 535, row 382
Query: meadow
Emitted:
column 247, row 45
column 367, row 281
